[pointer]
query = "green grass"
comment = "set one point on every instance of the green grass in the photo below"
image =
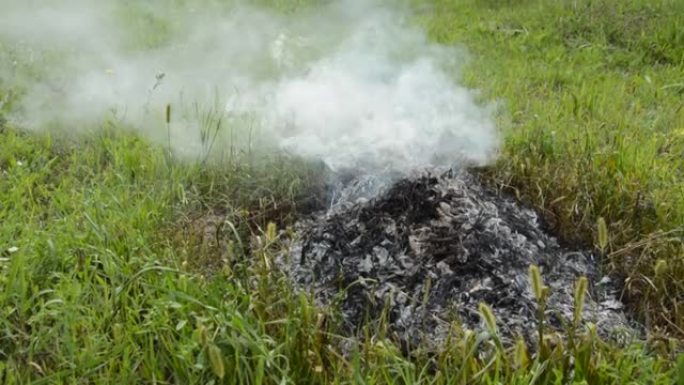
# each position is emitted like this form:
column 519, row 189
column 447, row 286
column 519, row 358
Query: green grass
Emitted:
column 103, row 261
column 98, row 290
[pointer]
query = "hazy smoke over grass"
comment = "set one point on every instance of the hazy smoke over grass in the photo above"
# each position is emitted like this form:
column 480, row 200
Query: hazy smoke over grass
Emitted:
column 348, row 83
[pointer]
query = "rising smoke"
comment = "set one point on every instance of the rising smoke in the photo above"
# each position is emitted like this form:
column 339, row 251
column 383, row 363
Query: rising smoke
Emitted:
column 351, row 83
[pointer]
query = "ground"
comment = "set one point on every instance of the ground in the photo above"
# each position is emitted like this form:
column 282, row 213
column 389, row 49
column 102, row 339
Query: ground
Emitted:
column 109, row 273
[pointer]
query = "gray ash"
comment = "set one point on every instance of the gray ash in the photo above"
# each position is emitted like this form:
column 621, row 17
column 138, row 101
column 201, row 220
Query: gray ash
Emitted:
column 428, row 250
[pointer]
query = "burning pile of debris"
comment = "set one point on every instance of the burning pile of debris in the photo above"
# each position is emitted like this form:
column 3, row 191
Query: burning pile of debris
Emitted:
column 427, row 251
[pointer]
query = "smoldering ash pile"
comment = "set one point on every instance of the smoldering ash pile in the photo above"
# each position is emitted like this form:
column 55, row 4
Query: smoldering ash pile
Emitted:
column 424, row 253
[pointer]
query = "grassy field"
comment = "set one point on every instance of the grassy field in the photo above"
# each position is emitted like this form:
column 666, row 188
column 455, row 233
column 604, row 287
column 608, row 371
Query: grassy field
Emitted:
column 107, row 277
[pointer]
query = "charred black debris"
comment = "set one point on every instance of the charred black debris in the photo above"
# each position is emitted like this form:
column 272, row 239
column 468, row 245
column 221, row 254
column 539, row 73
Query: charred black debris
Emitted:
column 428, row 250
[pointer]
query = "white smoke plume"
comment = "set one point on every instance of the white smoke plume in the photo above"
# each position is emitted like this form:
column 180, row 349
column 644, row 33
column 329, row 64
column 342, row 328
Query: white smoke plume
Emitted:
column 351, row 83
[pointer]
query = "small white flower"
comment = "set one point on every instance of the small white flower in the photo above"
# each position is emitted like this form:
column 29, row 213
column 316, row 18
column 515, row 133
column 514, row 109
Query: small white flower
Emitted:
column 20, row 163
column 12, row 249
